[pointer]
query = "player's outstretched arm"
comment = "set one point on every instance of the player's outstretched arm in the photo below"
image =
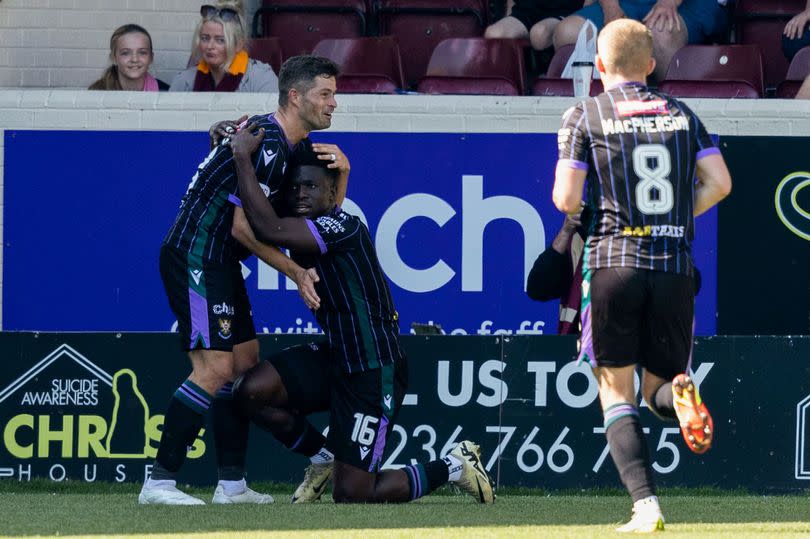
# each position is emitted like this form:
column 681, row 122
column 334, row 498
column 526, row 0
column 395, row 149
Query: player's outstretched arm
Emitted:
column 268, row 227
column 714, row 182
column 326, row 152
column 305, row 279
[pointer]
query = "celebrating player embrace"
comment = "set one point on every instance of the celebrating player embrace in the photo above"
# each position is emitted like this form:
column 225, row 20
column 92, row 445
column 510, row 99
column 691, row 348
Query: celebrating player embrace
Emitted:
column 360, row 374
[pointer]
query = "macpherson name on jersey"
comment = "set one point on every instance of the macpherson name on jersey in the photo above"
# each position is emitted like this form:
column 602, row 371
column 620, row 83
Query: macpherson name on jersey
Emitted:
column 656, row 124
column 655, row 231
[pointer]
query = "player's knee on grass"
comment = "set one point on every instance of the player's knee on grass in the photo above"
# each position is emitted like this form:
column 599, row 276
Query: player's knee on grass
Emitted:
column 343, row 493
column 353, row 485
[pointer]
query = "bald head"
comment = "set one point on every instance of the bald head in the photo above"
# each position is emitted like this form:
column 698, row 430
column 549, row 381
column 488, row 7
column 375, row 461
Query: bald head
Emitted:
column 625, row 48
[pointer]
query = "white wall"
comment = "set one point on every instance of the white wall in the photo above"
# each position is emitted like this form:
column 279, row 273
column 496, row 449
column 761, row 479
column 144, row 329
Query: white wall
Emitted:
column 65, row 43
column 83, row 110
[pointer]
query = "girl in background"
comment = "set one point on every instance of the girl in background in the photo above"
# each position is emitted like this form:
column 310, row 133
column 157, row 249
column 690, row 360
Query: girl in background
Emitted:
column 131, row 55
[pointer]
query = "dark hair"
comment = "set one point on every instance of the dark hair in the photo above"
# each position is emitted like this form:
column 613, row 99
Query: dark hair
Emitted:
column 299, row 72
column 109, row 80
column 303, row 156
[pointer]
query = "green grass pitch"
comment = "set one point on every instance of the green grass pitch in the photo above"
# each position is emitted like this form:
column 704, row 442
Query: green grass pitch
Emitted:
column 103, row 510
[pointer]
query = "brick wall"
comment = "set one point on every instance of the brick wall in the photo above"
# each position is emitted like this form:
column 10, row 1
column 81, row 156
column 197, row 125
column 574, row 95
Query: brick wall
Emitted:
column 65, row 43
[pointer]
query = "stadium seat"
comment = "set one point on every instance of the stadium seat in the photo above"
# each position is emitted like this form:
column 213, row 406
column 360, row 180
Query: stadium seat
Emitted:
column 301, row 25
column 367, row 64
column 267, row 50
column 475, row 66
column 761, row 22
column 798, row 70
column 419, row 25
column 709, row 88
column 552, row 83
column 715, row 71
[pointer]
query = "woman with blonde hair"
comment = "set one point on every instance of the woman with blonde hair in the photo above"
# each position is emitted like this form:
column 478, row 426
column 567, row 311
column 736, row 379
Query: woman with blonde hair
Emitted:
column 131, row 55
column 224, row 66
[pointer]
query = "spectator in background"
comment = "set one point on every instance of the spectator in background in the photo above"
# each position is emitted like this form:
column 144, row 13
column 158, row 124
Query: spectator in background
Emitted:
column 673, row 23
column 224, row 65
column 131, row 55
column 796, row 34
column 533, row 19
column 557, row 272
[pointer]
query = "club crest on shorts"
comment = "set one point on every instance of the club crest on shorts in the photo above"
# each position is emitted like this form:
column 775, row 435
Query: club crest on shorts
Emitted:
column 224, row 327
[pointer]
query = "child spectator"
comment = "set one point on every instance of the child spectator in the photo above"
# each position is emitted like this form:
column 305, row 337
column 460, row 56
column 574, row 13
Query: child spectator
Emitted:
column 131, row 55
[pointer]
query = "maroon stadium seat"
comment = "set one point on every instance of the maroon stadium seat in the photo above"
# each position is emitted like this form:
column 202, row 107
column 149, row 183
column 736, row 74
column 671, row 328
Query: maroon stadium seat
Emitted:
column 365, row 63
column 701, row 70
column 419, row 25
column 267, row 50
column 302, row 24
column 366, row 84
column 709, row 88
column 798, row 70
column 561, row 87
column 475, row 65
column 552, row 83
column 761, row 22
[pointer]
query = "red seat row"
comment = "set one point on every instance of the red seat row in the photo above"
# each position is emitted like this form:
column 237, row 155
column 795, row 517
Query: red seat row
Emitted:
column 495, row 67
column 761, row 22
column 419, row 25
column 414, row 59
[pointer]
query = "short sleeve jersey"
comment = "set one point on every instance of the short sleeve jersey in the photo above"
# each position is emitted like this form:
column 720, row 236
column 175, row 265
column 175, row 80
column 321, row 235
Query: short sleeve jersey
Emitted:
column 357, row 312
column 203, row 225
column 640, row 149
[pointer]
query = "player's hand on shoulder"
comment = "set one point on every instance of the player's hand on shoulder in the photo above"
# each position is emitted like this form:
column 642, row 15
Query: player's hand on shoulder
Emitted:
column 224, row 129
column 333, row 153
column 247, row 140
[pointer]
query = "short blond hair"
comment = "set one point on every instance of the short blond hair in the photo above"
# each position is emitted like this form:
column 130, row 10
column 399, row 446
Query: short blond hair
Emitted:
column 233, row 30
column 625, row 47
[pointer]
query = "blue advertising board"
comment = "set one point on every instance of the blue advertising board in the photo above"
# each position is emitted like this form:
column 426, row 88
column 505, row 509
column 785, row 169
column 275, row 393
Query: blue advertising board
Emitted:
column 458, row 220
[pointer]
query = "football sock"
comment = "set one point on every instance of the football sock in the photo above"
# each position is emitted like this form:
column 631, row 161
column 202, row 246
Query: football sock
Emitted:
column 231, row 428
column 454, row 468
column 301, row 437
column 232, row 488
column 425, row 478
column 628, row 447
column 662, row 403
column 323, row 456
column 185, row 417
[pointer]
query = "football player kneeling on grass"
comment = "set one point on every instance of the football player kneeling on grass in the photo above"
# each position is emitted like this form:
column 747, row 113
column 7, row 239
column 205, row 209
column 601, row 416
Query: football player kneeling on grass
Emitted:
column 359, row 374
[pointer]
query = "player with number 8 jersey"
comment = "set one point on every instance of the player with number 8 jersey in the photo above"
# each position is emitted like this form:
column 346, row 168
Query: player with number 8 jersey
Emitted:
column 640, row 149
column 640, row 153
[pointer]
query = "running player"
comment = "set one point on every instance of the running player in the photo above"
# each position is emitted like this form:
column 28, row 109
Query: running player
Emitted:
column 640, row 152
column 360, row 375
column 199, row 265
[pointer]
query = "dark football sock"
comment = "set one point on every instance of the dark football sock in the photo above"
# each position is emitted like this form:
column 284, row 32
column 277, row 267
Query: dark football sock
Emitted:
column 308, row 441
column 231, row 428
column 662, row 403
column 184, row 418
column 425, row 478
column 628, row 447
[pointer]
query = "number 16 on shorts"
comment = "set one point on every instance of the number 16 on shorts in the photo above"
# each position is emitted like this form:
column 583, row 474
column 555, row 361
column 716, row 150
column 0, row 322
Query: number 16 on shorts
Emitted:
column 364, row 430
